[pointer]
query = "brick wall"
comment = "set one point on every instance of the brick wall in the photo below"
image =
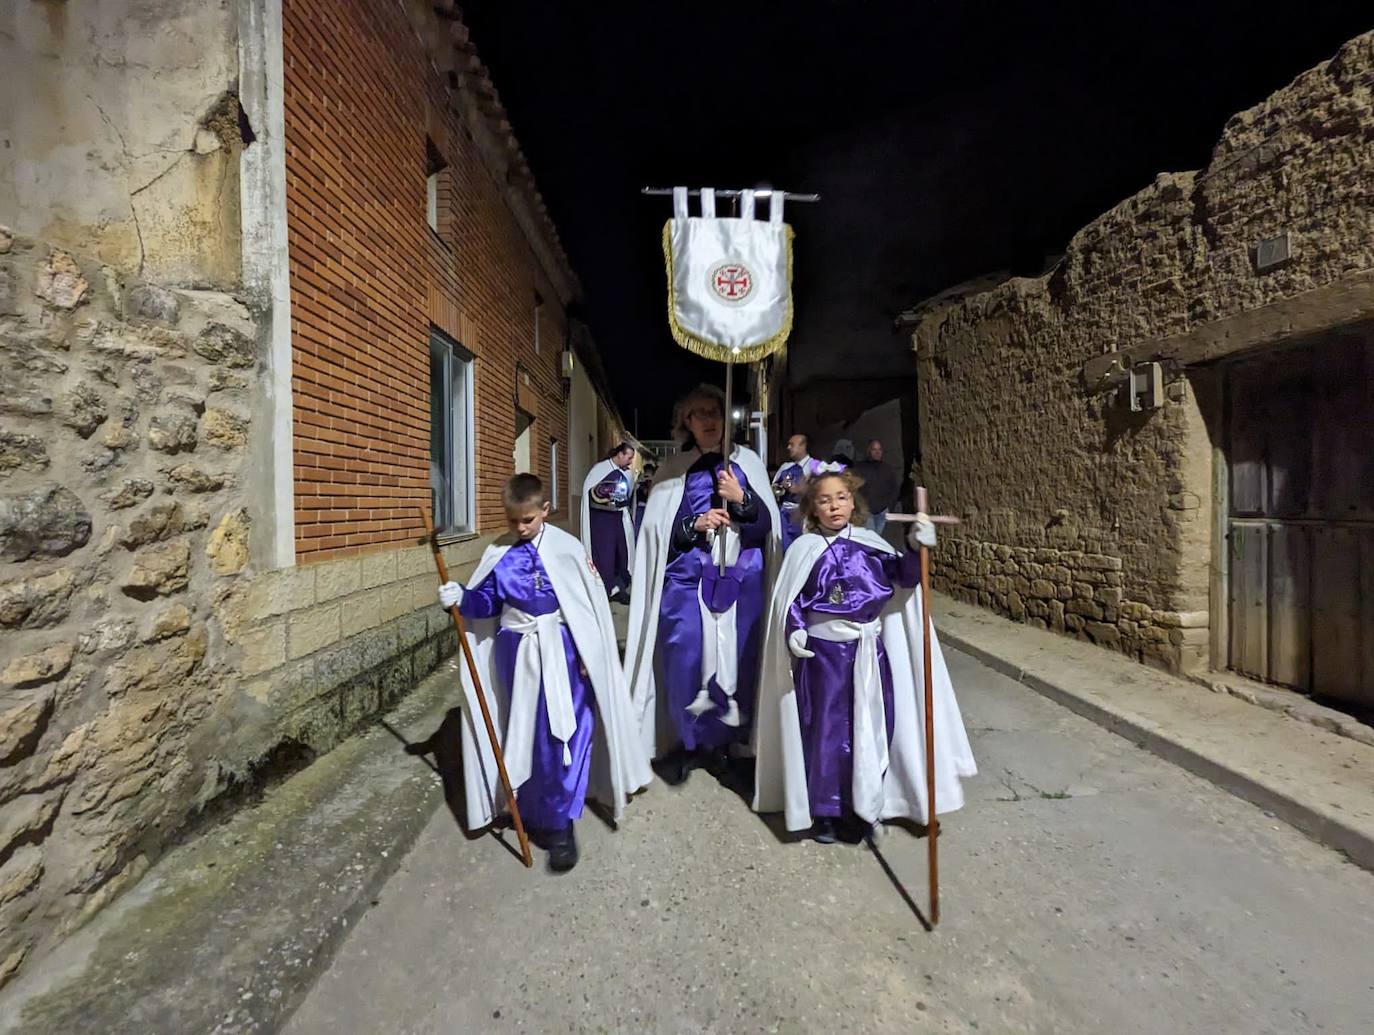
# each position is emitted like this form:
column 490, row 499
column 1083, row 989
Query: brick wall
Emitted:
column 368, row 277
column 1080, row 515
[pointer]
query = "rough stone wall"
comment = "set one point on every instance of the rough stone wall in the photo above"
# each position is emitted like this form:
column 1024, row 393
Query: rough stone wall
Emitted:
column 150, row 675
column 122, row 519
column 122, row 134
column 1079, row 515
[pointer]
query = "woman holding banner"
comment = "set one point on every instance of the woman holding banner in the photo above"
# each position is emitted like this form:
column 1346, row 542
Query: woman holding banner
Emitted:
column 702, row 572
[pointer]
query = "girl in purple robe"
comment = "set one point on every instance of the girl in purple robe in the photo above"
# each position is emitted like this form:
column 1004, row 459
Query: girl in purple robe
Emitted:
column 840, row 741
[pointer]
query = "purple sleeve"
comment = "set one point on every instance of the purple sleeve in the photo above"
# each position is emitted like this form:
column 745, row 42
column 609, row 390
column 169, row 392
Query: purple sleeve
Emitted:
column 812, row 592
column 754, row 533
column 482, row 602
column 684, row 537
column 903, row 569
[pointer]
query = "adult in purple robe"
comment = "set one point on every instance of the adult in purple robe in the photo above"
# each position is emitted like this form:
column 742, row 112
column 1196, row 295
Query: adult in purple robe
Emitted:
column 702, row 573
column 608, row 497
column 789, row 483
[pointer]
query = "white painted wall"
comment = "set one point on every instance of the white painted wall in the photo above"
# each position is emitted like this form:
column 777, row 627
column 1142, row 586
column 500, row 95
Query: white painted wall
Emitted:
column 582, row 453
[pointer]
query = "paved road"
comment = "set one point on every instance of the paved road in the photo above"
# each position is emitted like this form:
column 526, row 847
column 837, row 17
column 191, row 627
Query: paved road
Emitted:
column 1088, row 887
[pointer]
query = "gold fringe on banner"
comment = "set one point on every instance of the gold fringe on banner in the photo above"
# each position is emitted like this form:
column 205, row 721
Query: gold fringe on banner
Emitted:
column 710, row 350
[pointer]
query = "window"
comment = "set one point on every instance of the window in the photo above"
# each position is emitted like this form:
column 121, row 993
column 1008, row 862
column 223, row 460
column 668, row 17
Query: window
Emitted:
column 538, row 308
column 434, row 167
column 521, row 460
column 451, row 437
column 553, row 472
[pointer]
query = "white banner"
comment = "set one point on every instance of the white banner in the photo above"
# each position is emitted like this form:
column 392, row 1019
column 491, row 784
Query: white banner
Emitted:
column 729, row 280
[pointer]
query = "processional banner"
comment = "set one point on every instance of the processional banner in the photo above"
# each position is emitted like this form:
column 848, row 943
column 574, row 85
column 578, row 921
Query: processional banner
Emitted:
column 729, row 279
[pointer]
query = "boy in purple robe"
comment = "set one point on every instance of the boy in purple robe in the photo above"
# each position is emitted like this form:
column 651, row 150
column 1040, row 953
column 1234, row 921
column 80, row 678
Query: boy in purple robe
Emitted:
column 839, row 741
column 542, row 637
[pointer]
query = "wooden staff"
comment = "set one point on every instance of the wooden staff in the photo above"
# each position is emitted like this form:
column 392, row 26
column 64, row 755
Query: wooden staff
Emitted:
column 442, row 568
column 932, row 826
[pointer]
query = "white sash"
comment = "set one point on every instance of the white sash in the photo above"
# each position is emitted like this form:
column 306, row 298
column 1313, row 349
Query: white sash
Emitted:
column 870, row 718
column 719, row 638
column 539, row 658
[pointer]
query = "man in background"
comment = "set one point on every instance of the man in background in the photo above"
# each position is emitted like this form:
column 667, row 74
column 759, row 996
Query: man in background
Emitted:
column 881, row 485
column 789, row 482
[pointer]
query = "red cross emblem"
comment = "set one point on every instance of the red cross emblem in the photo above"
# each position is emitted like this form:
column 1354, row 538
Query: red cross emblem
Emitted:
column 732, row 282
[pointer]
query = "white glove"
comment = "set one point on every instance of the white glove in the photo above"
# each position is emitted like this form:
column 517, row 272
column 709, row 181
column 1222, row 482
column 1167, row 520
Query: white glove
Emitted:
column 796, row 643
column 922, row 532
column 450, row 593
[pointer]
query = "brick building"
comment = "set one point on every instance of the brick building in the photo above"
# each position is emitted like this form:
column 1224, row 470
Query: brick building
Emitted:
column 411, row 219
column 273, row 277
column 1165, row 444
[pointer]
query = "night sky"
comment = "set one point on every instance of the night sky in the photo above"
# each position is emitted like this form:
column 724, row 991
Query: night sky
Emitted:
column 948, row 140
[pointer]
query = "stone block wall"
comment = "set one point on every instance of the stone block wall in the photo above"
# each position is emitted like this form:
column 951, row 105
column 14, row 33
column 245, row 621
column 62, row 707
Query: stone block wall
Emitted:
column 1079, row 514
column 1068, row 591
column 323, row 647
column 150, row 671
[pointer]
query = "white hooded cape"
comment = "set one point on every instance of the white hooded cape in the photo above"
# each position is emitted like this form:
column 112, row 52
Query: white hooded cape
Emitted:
column 593, row 478
column 650, row 562
column 618, row 765
column 780, row 775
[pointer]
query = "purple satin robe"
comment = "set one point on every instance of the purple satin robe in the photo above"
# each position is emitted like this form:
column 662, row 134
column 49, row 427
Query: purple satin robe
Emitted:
column 553, row 795
column 610, row 553
column 825, row 683
column 679, row 646
column 792, row 477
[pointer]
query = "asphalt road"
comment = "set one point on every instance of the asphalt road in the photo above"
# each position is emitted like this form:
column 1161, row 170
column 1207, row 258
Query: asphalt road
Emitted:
column 1087, row 887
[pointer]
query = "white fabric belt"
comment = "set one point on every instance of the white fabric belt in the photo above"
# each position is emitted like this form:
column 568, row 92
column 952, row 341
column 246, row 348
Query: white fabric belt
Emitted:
column 870, row 717
column 538, row 659
column 719, row 638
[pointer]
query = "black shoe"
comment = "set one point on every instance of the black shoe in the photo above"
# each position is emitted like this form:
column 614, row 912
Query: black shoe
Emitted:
column 823, row 831
column 563, row 851
column 621, row 596
column 855, row 830
column 717, row 762
column 676, row 766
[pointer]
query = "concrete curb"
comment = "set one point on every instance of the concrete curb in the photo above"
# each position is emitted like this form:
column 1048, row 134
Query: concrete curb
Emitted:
column 1325, row 825
column 227, row 933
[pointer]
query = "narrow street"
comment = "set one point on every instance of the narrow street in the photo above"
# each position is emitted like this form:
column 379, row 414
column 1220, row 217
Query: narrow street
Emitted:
column 1087, row 887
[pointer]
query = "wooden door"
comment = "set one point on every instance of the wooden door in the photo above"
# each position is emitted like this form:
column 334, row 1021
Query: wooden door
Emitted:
column 1300, row 449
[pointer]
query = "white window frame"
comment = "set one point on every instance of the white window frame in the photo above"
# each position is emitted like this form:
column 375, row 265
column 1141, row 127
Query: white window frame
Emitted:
column 553, row 472
column 538, row 306
column 432, row 201
column 458, row 515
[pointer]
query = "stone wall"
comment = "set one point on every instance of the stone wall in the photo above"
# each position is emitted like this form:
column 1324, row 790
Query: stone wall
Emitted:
column 150, row 672
column 1079, row 514
column 123, row 140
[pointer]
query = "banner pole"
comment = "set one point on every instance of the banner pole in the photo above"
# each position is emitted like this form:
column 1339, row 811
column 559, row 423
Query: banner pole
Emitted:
column 727, row 441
